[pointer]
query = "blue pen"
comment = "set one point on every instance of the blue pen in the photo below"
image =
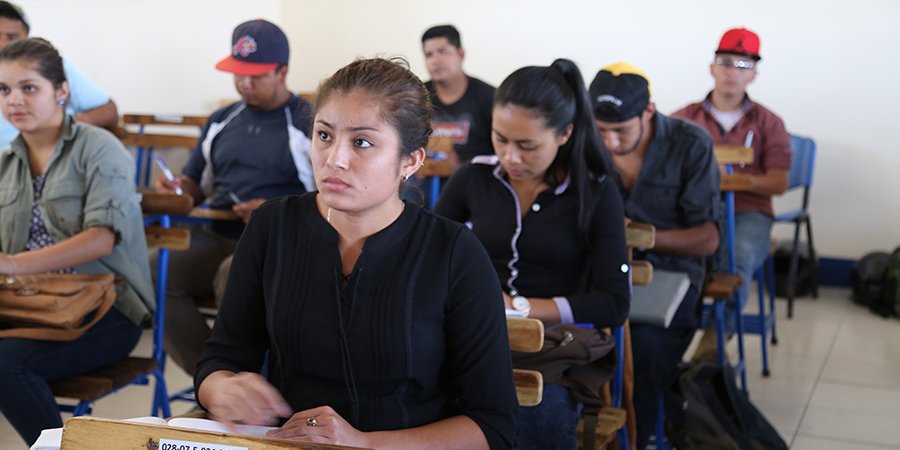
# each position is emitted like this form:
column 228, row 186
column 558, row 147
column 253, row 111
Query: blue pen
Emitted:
column 167, row 173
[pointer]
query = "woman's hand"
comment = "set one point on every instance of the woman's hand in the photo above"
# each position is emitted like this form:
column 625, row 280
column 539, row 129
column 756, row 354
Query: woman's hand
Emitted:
column 244, row 397
column 320, row 425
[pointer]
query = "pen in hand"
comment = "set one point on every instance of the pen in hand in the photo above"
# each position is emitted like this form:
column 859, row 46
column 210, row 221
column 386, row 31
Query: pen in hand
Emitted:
column 168, row 173
column 234, row 198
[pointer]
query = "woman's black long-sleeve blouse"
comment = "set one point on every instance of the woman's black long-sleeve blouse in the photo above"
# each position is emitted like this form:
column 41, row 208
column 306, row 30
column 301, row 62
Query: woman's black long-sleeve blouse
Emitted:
column 416, row 334
column 543, row 254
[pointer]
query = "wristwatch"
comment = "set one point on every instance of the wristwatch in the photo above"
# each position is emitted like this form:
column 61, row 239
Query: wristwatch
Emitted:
column 521, row 304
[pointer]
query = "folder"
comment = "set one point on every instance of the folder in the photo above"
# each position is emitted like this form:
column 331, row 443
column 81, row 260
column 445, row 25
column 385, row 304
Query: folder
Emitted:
column 656, row 303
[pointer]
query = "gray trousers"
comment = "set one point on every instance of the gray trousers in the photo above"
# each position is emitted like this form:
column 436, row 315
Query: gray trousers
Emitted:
column 198, row 273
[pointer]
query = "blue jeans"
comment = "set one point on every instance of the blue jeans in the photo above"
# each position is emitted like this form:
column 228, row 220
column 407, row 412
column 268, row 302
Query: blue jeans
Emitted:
column 26, row 366
column 752, row 240
column 551, row 424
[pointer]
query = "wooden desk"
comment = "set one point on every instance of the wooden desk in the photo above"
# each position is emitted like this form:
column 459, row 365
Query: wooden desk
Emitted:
column 736, row 182
column 91, row 433
column 213, row 214
column 733, row 154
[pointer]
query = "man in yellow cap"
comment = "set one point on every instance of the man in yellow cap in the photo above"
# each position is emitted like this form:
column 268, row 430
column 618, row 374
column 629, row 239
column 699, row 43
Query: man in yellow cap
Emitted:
column 667, row 174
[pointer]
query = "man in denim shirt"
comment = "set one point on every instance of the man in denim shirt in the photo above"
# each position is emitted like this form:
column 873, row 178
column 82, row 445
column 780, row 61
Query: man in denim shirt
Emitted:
column 666, row 171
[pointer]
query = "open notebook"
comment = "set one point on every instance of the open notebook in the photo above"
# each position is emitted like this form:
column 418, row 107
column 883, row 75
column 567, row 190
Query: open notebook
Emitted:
column 51, row 439
column 656, row 303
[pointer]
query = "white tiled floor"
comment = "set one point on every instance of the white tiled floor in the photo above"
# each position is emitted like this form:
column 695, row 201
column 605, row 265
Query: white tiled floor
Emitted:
column 835, row 381
column 835, row 375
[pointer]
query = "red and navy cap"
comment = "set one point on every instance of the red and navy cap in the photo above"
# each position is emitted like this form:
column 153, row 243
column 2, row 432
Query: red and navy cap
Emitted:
column 257, row 47
column 740, row 41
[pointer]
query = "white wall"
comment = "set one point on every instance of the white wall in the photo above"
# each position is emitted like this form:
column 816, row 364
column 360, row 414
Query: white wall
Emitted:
column 151, row 56
column 828, row 66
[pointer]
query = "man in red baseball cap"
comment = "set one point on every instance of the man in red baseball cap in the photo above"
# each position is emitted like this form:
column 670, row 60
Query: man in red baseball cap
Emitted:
column 732, row 118
column 250, row 151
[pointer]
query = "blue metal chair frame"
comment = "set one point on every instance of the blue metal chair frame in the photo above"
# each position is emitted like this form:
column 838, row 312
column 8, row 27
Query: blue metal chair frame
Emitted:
column 139, row 159
column 763, row 323
column 160, row 393
column 740, row 367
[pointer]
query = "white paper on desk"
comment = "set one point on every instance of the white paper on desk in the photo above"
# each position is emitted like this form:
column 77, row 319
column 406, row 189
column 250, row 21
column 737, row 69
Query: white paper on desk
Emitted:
column 656, row 303
column 218, row 427
column 51, row 439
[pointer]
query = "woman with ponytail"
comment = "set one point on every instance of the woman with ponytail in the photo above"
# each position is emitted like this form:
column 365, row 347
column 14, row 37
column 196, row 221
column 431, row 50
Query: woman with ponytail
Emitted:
column 550, row 219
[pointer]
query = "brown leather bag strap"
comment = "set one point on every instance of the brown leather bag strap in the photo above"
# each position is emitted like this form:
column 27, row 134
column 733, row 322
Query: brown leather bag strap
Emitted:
column 59, row 334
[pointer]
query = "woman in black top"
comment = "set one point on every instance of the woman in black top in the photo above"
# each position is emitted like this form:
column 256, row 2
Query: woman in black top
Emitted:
column 550, row 220
column 383, row 323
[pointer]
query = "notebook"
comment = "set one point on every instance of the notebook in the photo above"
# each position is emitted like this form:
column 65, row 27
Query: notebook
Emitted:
column 656, row 303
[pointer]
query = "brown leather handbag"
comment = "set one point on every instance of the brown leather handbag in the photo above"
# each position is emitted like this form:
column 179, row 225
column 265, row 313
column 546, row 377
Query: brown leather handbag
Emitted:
column 54, row 307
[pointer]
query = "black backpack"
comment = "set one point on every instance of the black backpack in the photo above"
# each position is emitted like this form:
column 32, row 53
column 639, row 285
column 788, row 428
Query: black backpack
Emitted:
column 889, row 302
column 706, row 410
column 868, row 278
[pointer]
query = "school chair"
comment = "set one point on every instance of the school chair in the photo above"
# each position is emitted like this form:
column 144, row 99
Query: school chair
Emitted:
column 437, row 167
column 800, row 176
column 90, row 387
column 182, row 132
column 724, row 287
column 526, row 335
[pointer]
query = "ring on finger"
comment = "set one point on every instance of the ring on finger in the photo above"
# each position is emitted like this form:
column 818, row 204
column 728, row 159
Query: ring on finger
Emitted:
column 312, row 422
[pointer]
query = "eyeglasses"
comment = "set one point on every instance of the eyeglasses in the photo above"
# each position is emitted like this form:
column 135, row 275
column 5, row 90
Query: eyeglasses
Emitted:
column 742, row 64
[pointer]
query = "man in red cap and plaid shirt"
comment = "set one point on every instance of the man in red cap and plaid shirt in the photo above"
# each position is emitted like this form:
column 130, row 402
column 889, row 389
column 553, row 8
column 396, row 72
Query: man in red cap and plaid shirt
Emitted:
column 732, row 118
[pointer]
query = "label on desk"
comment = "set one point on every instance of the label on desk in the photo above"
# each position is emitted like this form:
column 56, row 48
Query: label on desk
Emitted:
column 173, row 444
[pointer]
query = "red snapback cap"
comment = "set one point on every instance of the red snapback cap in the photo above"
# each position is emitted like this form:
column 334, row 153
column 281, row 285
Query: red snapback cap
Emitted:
column 740, row 41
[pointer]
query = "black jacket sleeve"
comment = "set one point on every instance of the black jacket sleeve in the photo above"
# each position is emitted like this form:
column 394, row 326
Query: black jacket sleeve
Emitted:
column 239, row 338
column 608, row 299
column 478, row 343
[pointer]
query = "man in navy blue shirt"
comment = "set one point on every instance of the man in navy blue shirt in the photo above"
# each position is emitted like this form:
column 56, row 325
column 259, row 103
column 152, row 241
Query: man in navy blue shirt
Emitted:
column 250, row 151
column 667, row 174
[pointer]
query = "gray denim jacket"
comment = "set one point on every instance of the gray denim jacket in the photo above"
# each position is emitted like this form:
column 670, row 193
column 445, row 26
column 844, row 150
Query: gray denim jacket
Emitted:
column 89, row 182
